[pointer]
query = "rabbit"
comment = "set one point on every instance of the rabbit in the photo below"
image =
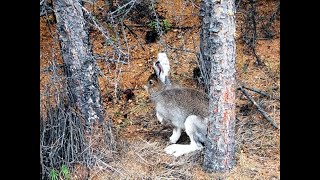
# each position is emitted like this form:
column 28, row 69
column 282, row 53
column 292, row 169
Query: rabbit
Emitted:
column 184, row 108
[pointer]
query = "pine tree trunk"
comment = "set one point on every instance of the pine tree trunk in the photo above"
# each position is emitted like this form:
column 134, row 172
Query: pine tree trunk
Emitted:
column 217, row 46
column 78, row 60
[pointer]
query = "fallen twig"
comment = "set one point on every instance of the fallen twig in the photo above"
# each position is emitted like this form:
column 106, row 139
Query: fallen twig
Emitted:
column 108, row 166
column 260, row 92
column 264, row 114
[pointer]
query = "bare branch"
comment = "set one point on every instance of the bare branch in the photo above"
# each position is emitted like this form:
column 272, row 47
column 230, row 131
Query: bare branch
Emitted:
column 125, row 5
column 109, row 59
column 134, row 35
column 262, row 112
column 180, row 49
column 105, row 33
column 261, row 92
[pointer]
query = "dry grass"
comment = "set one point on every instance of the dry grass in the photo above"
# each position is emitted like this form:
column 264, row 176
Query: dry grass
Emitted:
column 146, row 160
column 141, row 139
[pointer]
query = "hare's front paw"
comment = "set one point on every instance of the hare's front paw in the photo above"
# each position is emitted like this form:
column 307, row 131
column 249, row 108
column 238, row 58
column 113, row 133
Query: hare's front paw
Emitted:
column 175, row 135
column 173, row 139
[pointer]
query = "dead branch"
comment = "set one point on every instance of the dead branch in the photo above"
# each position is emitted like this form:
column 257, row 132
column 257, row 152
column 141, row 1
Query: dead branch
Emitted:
column 172, row 27
column 124, row 6
column 103, row 31
column 45, row 8
column 266, row 27
column 52, row 68
column 254, row 38
column 45, row 12
column 108, row 166
column 41, row 162
column 134, row 35
column 253, row 26
column 185, row 27
column 260, row 92
column 97, row 56
column 262, row 112
column 238, row 3
column 180, row 49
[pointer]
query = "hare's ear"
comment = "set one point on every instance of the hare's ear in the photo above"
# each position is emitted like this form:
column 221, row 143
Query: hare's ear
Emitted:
column 162, row 67
column 157, row 68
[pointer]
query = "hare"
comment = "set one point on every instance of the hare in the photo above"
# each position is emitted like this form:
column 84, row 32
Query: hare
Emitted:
column 186, row 109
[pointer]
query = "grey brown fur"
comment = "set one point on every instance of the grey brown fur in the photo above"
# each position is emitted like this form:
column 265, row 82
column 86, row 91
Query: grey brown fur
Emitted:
column 184, row 108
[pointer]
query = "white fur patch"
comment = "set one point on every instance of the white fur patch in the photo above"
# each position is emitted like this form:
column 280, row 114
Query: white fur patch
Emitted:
column 159, row 117
column 175, row 135
column 180, row 149
column 164, row 62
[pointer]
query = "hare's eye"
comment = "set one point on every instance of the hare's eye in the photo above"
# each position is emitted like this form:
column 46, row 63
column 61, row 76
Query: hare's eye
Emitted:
column 150, row 82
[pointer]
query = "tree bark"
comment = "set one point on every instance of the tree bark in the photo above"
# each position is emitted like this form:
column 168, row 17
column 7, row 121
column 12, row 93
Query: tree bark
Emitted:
column 217, row 46
column 78, row 59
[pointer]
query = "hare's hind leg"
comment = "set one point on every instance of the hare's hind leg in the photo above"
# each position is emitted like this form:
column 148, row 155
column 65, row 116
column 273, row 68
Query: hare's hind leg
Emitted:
column 191, row 130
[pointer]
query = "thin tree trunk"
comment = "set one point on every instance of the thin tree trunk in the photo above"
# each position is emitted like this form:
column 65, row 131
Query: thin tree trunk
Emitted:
column 217, row 45
column 78, row 60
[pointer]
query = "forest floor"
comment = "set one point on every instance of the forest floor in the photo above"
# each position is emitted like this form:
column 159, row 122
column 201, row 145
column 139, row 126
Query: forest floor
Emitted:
column 142, row 139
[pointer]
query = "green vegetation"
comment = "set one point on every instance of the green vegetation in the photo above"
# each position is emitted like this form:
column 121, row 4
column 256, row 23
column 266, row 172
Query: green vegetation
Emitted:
column 164, row 25
column 64, row 173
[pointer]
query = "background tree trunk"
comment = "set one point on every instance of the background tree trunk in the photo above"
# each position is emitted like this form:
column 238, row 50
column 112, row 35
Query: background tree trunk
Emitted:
column 217, row 46
column 78, row 60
